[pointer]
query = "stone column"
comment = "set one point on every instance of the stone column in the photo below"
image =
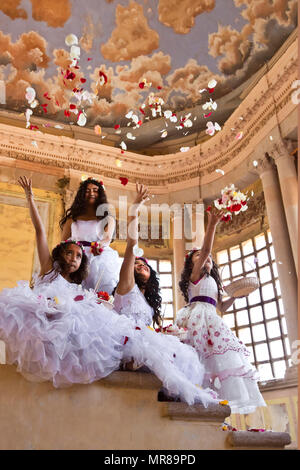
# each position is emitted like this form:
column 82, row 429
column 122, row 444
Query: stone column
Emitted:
column 194, row 225
column 289, row 190
column 281, row 242
column 178, row 255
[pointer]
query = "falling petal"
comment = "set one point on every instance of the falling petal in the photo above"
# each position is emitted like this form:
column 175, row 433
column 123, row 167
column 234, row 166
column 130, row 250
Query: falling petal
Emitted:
column 184, row 149
column 118, row 163
column 164, row 134
column 81, row 121
column 97, row 130
column 220, row 171
column 212, row 83
column 30, row 94
column 71, row 40
column 239, row 135
column 123, row 180
column 130, row 136
column 188, row 123
column 138, row 252
column 75, row 52
column 123, row 146
column 207, row 115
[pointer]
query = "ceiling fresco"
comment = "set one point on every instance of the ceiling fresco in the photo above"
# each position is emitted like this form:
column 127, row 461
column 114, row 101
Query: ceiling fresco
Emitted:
column 118, row 65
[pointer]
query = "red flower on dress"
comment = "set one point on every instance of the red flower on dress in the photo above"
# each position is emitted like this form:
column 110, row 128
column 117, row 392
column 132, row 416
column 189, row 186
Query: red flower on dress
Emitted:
column 210, row 342
column 103, row 295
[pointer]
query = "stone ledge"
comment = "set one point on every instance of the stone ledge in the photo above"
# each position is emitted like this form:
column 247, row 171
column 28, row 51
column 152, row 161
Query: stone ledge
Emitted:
column 132, row 379
column 267, row 439
column 198, row 412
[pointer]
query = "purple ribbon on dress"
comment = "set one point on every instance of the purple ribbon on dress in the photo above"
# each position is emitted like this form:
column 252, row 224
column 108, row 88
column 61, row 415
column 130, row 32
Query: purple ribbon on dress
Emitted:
column 203, row 298
column 83, row 243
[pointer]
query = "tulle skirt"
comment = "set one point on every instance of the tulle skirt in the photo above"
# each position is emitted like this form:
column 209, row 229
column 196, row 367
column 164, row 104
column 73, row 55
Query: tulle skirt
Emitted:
column 224, row 356
column 58, row 332
column 104, row 267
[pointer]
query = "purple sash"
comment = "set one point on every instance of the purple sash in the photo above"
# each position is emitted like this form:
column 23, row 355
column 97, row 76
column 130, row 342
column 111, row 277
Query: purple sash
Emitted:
column 83, row 243
column 203, row 298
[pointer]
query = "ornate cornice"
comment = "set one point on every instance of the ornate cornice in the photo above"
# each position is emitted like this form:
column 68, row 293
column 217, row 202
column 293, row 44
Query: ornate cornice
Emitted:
column 268, row 103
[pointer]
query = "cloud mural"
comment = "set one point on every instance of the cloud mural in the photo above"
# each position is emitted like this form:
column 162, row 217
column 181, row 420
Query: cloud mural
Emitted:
column 125, row 46
column 180, row 16
column 132, row 35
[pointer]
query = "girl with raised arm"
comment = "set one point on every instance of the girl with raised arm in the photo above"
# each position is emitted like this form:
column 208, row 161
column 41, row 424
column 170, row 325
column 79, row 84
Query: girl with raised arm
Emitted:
column 137, row 296
column 225, row 358
column 89, row 222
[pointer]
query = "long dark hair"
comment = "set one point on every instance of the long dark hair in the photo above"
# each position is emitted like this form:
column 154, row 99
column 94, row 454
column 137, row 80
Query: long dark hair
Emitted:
column 79, row 205
column 152, row 291
column 59, row 264
column 187, row 271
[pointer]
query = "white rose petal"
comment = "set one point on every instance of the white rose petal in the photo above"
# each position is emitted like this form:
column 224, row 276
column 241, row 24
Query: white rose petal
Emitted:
column 75, row 52
column 123, row 146
column 71, row 39
column 168, row 114
column 164, row 134
column 220, row 171
column 138, row 252
column 184, row 149
column 130, row 136
column 30, row 94
column 188, row 123
column 81, row 121
column 212, row 83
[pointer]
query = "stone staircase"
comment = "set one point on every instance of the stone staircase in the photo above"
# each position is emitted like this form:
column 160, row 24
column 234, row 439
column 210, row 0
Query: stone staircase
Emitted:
column 119, row 412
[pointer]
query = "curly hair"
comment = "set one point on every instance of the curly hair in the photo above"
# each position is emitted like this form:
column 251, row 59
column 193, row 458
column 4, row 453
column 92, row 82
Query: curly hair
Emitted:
column 79, row 204
column 186, row 274
column 152, row 291
column 59, row 264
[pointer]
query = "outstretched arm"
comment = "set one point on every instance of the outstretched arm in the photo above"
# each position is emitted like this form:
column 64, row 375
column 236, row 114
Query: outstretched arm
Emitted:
column 214, row 218
column 126, row 282
column 224, row 305
column 41, row 239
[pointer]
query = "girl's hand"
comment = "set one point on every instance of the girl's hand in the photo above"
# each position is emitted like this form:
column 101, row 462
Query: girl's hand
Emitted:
column 215, row 215
column 26, row 185
column 142, row 194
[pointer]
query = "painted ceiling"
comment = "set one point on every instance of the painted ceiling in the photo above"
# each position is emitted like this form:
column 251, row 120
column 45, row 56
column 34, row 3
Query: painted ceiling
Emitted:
column 135, row 61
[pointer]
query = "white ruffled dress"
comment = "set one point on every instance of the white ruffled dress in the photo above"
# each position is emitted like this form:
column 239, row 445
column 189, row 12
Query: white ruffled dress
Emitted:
column 58, row 332
column 225, row 357
column 105, row 266
column 134, row 306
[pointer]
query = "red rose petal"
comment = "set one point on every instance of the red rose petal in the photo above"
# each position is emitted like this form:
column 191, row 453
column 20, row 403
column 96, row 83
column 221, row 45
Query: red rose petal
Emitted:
column 159, row 87
column 123, row 180
column 83, row 80
column 117, row 126
column 207, row 115
column 102, row 74
column 142, row 85
column 142, row 111
column 72, row 106
column 67, row 113
column 89, row 58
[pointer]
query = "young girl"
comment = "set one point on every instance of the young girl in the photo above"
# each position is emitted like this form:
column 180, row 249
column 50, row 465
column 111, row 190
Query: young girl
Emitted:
column 81, row 223
column 137, row 297
column 225, row 358
column 57, row 331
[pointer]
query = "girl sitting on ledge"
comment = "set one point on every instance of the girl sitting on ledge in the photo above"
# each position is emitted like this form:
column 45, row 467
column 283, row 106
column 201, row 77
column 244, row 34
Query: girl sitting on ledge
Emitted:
column 58, row 331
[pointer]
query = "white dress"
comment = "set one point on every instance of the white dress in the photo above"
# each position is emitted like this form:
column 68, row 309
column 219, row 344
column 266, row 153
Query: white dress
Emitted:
column 58, row 332
column 225, row 357
column 105, row 266
column 134, row 306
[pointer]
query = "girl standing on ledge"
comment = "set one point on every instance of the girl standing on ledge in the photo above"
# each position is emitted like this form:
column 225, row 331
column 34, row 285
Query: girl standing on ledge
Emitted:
column 225, row 358
column 81, row 223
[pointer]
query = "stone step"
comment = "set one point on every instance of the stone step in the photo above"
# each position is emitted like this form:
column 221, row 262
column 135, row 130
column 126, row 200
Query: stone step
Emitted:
column 258, row 440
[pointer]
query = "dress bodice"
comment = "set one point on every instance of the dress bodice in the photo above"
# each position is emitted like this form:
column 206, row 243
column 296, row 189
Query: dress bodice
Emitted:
column 87, row 230
column 206, row 286
column 134, row 305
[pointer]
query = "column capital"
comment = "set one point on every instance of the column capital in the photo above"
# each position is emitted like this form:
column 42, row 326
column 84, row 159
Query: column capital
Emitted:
column 282, row 148
column 263, row 165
